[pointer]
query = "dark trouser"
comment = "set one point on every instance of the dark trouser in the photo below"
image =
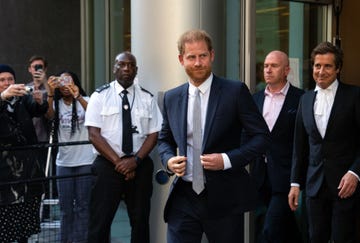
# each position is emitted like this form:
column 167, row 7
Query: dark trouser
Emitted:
column 109, row 188
column 331, row 218
column 189, row 217
column 280, row 224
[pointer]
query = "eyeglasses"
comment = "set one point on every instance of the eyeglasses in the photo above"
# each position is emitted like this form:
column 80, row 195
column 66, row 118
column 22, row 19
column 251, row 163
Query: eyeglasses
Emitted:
column 9, row 79
column 130, row 65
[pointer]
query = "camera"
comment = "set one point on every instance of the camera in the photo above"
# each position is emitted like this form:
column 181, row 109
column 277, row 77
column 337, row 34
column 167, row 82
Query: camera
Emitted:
column 37, row 67
column 65, row 80
column 29, row 89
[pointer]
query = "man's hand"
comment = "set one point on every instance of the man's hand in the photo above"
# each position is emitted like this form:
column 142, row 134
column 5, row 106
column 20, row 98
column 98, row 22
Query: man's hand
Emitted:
column 293, row 197
column 130, row 175
column 347, row 185
column 40, row 76
column 177, row 165
column 126, row 165
column 212, row 161
column 13, row 90
column 38, row 96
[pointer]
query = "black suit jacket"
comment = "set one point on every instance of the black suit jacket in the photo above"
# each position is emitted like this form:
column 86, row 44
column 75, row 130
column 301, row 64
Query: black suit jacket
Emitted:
column 279, row 153
column 230, row 110
column 318, row 160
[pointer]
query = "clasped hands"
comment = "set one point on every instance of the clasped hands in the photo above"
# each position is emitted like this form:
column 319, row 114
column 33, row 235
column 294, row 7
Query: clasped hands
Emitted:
column 126, row 166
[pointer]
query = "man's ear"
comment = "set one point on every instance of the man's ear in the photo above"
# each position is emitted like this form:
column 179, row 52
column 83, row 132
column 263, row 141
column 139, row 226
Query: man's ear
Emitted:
column 181, row 59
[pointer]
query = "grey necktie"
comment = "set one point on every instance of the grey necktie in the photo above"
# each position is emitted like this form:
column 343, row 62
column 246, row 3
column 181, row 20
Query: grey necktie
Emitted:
column 198, row 173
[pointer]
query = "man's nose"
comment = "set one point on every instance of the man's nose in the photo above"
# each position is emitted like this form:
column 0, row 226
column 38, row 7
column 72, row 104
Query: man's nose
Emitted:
column 197, row 61
column 321, row 70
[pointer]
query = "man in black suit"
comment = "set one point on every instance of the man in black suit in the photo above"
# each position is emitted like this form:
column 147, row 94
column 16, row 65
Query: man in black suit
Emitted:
column 278, row 103
column 326, row 158
column 210, row 200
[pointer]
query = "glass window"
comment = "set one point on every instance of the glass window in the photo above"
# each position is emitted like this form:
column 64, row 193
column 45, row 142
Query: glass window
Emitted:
column 294, row 28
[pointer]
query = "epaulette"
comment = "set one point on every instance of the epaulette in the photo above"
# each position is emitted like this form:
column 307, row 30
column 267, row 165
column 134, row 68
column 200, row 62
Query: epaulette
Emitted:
column 101, row 88
column 146, row 91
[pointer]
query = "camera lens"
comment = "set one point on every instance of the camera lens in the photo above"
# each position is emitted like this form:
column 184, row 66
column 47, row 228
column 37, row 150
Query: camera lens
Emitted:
column 28, row 89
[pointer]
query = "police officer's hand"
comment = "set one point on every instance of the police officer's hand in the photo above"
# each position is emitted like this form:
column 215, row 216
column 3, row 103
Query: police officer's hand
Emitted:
column 126, row 165
column 130, row 175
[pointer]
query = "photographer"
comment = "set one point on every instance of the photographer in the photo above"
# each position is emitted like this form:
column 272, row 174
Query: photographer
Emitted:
column 20, row 202
column 67, row 106
column 37, row 67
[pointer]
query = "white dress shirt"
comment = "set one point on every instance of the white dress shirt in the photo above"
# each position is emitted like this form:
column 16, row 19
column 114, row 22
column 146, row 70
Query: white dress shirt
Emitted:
column 104, row 111
column 204, row 97
column 324, row 101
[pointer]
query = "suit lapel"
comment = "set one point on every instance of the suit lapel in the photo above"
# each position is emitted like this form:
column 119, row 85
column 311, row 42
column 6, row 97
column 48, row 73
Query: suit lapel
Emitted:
column 340, row 95
column 309, row 112
column 286, row 107
column 214, row 98
column 260, row 102
column 182, row 109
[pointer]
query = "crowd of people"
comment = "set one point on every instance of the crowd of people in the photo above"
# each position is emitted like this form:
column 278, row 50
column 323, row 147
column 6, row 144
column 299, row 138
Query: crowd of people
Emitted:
column 299, row 145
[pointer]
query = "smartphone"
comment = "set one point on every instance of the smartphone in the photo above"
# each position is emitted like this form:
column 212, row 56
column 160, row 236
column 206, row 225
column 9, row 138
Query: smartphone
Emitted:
column 37, row 67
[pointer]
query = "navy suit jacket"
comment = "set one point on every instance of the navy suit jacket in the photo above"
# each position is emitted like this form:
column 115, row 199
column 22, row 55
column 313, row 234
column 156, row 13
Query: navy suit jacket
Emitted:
column 318, row 160
column 279, row 153
column 230, row 110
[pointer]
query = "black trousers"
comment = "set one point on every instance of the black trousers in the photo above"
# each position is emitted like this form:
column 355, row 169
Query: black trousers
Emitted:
column 280, row 224
column 331, row 217
column 190, row 217
column 109, row 189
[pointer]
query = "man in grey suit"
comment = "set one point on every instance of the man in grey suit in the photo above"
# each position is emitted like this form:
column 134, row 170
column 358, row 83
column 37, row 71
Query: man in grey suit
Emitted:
column 214, row 198
column 326, row 158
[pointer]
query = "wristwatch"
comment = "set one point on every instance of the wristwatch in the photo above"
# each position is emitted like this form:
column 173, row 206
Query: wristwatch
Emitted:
column 138, row 160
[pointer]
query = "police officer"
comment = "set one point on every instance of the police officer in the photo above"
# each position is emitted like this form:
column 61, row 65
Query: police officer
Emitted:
column 123, row 168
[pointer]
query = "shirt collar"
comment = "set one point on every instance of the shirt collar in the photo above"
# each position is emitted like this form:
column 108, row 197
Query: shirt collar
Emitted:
column 120, row 88
column 283, row 91
column 204, row 87
column 332, row 87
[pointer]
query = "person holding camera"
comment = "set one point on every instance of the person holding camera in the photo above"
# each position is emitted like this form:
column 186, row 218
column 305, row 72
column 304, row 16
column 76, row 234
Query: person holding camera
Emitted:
column 37, row 68
column 19, row 200
column 67, row 106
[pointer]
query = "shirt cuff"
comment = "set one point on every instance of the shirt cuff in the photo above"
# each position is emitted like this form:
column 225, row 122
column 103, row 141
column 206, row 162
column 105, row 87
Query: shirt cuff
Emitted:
column 352, row 172
column 295, row 184
column 227, row 163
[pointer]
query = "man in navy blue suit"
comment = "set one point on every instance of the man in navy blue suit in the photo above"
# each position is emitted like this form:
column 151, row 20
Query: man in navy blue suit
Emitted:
column 211, row 200
column 278, row 103
column 326, row 159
